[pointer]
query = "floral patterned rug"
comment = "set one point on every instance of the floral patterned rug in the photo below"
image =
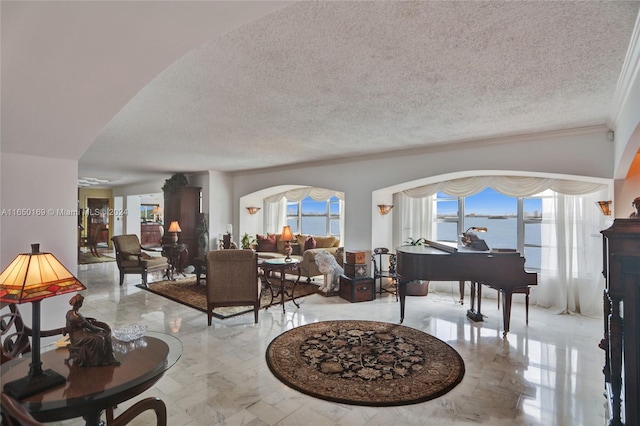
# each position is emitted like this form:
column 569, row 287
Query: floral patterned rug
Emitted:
column 365, row 363
column 186, row 291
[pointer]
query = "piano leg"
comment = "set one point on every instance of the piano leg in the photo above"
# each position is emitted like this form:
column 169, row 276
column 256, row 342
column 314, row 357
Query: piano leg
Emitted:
column 507, row 295
column 476, row 293
column 402, row 293
column 461, row 284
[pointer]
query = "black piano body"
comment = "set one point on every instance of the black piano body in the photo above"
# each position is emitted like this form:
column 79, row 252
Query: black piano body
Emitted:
column 501, row 270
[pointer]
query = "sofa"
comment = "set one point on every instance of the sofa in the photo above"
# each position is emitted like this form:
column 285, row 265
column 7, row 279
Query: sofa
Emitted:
column 304, row 248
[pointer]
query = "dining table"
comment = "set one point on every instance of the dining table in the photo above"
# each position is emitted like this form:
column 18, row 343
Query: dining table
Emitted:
column 88, row 391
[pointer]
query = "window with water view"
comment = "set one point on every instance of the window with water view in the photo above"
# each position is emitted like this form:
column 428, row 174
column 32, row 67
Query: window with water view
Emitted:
column 312, row 217
column 511, row 222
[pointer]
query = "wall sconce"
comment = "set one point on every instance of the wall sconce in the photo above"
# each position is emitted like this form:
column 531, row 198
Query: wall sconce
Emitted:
column 605, row 206
column 384, row 209
column 253, row 210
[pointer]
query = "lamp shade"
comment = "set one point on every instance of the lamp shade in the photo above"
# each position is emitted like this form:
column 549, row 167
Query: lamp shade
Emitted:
column 287, row 235
column 174, row 227
column 35, row 276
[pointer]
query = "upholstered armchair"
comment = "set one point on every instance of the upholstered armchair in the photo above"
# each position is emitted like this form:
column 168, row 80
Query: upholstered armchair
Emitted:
column 232, row 280
column 132, row 260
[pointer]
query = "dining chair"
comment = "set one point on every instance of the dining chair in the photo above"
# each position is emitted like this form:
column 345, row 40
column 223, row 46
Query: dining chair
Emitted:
column 232, row 280
column 15, row 333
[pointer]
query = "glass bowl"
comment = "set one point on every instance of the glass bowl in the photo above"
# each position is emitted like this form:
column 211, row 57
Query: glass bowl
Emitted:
column 130, row 333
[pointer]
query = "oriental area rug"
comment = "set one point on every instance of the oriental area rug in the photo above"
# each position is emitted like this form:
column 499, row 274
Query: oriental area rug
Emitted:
column 365, row 363
column 187, row 292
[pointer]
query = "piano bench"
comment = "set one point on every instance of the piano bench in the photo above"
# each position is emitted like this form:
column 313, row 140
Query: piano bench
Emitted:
column 521, row 290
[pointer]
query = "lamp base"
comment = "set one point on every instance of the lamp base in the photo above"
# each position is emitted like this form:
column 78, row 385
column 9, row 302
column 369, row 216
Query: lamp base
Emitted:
column 31, row 385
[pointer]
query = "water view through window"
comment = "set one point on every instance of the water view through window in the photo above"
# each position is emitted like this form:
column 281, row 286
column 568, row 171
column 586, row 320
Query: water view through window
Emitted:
column 498, row 213
column 312, row 217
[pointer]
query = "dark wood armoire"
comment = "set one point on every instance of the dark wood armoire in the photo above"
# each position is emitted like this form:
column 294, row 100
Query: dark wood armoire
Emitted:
column 184, row 205
column 621, row 341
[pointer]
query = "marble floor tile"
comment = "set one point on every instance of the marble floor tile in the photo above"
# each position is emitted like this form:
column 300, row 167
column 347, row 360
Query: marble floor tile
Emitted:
column 546, row 373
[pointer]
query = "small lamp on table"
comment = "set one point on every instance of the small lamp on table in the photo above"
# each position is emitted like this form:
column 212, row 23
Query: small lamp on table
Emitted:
column 174, row 227
column 32, row 277
column 287, row 237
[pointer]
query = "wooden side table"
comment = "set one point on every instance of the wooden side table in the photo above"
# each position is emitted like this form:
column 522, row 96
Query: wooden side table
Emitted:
column 174, row 254
column 281, row 265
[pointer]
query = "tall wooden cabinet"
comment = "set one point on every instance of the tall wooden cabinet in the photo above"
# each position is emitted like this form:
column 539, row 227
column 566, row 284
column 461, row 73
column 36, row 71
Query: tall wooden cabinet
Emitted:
column 183, row 205
column 621, row 341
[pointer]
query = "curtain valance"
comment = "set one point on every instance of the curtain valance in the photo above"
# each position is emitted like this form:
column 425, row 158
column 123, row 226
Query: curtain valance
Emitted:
column 299, row 194
column 514, row 186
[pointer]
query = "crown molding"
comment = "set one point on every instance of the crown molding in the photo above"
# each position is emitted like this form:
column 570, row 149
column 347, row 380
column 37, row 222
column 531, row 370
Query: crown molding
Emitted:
column 629, row 73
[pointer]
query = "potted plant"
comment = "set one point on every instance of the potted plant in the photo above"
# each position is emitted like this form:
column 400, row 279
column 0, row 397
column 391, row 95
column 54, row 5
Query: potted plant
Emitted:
column 176, row 181
column 411, row 242
column 246, row 241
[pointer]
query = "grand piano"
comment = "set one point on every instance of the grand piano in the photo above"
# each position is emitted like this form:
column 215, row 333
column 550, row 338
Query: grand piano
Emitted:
column 501, row 270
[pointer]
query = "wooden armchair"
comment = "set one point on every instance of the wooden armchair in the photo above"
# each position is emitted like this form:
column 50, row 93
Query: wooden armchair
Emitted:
column 132, row 260
column 232, row 280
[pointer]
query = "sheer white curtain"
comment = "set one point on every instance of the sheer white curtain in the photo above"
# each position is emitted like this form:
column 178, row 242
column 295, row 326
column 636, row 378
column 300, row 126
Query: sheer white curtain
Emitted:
column 416, row 218
column 571, row 278
column 571, row 265
column 275, row 216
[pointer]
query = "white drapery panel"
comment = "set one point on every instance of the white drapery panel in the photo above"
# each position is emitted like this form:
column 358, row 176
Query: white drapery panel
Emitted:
column 571, row 278
column 416, row 217
column 299, row 194
column 275, row 216
column 513, row 186
column 571, row 264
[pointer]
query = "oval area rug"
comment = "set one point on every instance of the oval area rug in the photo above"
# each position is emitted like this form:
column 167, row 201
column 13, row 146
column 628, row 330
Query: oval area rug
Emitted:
column 365, row 363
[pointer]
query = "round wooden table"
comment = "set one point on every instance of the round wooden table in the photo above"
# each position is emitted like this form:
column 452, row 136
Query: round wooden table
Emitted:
column 90, row 390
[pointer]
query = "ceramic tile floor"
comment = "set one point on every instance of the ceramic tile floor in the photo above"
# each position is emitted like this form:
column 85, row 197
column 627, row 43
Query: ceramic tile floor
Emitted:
column 546, row 373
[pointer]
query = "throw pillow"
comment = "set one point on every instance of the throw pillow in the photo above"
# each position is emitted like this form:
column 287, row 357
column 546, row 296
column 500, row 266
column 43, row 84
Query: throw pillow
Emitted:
column 309, row 243
column 267, row 243
column 325, row 242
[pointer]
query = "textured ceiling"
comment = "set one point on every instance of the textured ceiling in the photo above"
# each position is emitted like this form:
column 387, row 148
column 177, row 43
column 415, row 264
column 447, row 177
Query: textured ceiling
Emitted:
column 320, row 80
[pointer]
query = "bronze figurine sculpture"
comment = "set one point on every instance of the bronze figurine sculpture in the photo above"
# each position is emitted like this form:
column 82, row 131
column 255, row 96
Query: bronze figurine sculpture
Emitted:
column 90, row 340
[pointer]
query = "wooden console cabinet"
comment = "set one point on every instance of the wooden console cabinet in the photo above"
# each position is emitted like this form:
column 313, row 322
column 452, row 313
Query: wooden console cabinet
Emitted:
column 150, row 235
column 183, row 205
column 621, row 342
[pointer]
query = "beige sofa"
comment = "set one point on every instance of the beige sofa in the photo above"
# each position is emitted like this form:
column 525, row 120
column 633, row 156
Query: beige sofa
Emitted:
column 308, row 267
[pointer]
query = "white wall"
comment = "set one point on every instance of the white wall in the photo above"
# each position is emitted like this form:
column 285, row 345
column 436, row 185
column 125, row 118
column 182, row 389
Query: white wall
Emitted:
column 221, row 207
column 583, row 153
column 46, row 190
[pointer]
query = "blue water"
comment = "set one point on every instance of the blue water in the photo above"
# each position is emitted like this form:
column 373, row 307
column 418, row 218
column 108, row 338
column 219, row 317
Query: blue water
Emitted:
column 501, row 233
